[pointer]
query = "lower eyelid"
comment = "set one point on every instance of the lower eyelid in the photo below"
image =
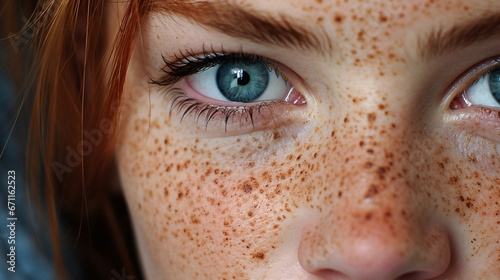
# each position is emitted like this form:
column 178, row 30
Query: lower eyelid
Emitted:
column 228, row 120
column 481, row 121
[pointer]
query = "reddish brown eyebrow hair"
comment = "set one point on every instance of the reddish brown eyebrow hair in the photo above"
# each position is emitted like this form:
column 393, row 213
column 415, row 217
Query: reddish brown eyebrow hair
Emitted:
column 459, row 36
column 243, row 22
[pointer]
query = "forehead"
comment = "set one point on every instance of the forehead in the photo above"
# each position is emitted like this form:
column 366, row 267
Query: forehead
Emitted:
column 379, row 20
column 332, row 26
column 335, row 11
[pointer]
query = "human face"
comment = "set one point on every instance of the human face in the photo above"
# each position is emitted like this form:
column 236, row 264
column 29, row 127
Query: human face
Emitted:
column 381, row 164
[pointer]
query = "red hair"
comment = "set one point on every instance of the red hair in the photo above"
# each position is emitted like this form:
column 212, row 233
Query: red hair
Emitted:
column 72, row 133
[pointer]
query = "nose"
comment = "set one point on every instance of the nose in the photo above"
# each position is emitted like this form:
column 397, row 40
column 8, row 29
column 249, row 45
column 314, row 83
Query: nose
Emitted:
column 374, row 255
column 375, row 224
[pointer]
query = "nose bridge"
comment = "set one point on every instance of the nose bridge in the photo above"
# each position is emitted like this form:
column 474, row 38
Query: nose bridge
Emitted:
column 371, row 222
column 375, row 155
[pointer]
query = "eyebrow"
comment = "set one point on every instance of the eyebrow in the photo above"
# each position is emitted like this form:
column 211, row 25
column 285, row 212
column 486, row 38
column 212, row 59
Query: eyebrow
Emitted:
column 248, row 24
column 461, row 35
column 280, row 29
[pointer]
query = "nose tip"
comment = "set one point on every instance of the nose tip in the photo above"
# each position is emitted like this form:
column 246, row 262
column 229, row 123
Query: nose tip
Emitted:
column 377, row 258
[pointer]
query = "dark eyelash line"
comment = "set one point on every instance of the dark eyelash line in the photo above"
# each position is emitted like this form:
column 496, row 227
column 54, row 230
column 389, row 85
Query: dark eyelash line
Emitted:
column 189, row 63
column 189, row 106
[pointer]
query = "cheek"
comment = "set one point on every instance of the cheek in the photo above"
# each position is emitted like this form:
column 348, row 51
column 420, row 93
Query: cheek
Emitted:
column 235, row 205
column 208, row 203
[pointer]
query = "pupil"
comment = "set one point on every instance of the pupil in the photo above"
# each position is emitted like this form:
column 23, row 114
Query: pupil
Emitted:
column 243, row 78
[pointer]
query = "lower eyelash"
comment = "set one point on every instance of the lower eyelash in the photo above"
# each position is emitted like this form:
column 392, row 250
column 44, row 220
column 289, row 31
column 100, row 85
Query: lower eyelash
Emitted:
column 186, row 106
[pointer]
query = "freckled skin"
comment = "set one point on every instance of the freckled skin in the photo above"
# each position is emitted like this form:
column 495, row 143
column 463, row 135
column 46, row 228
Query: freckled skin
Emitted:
column 369, row 180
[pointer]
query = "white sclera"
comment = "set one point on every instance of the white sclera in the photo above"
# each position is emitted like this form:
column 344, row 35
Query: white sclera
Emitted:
column 480, row 93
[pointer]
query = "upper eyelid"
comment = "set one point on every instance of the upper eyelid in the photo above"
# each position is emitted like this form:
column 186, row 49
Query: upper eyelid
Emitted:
column 188, row 62
column 470, row 76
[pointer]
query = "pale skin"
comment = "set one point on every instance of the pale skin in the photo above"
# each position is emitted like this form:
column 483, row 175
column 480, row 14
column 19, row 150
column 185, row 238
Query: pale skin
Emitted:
column 374, row 177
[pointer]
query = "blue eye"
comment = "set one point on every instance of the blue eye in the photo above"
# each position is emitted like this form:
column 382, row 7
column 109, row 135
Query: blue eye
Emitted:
column 240, row 80
column 485, row 91
column 494, row 83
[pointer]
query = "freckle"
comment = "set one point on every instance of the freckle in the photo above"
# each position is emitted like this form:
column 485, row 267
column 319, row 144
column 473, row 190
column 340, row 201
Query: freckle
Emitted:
column 179, row 195
column 339, row 194
column 346, row 120
column 368, row 216
column 250, row 213
column 453, row 180
column 165, row 191
column 247, row 188
column 372, row 117
column 368, row 165
column 338, row 18
column 276, row 135
column 370, row 151
column 258, row 255
column 372, row 191
column 332, row 134
column 370, row 56
column 382, row 18
column 361, row 36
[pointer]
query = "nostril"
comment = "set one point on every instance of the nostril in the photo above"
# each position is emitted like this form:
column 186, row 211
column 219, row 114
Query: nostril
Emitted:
column 416, row 275
column 334, row 274
column 330, row 274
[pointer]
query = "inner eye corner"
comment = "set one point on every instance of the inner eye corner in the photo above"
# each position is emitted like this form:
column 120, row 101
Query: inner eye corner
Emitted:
column 479, row 86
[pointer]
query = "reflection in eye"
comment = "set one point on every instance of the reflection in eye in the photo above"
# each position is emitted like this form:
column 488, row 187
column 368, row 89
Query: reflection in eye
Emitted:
column 240, row 80
column 485, row 91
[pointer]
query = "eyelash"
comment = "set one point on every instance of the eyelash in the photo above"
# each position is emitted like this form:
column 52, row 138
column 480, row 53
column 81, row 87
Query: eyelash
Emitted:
column 185, row 106
column 189, row 63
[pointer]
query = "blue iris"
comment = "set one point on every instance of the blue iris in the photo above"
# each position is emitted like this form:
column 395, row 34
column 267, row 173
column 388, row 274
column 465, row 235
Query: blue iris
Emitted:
column 494, row 83
column 242, row 81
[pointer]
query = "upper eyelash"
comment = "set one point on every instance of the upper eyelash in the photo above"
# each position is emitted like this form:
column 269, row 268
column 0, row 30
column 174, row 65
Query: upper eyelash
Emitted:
column 188, row 63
